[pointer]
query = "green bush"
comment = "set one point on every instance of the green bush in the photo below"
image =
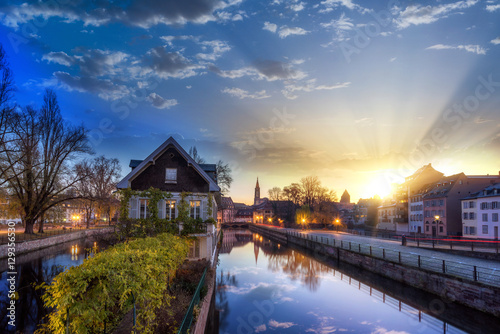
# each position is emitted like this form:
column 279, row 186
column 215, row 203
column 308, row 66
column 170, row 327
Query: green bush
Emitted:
column 101, row 290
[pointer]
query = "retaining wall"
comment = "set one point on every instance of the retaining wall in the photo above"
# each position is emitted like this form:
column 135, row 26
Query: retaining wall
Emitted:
column 472, row 294
column 33, row 245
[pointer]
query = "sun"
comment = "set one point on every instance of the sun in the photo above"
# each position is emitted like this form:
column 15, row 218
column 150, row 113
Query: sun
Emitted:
column 379, row 185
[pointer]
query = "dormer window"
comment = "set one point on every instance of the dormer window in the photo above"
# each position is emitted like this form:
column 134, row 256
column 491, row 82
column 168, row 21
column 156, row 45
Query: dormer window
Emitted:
column 171, row 175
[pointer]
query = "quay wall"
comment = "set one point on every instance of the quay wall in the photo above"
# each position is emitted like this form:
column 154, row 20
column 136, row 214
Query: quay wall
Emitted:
column 33, row 245
column 476, row 295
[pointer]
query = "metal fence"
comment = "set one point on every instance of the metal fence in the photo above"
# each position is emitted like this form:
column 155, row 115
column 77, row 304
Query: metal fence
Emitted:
column 188, row 317
column 490, row 276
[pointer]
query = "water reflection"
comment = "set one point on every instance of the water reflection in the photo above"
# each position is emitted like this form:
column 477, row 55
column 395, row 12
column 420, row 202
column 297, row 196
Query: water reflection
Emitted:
column 32, row 270
column 266, row 286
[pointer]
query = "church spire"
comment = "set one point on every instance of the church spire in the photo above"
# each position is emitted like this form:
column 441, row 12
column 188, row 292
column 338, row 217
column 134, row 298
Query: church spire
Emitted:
column 256, row 199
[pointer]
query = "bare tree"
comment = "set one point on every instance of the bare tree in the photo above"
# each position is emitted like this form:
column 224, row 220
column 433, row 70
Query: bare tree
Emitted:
column 98, row 178
column 275, row 194
column 7, row 89
column 224, row 178
column 37, row 169
column 310, row 186
column 293, row 193
column 193, row 152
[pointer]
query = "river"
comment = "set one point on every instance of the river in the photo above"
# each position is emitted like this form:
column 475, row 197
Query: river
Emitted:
column 32, row 269
column 263, row 286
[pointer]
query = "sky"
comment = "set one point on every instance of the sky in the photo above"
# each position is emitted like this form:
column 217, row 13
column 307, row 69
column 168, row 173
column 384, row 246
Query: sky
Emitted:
column 358, row 93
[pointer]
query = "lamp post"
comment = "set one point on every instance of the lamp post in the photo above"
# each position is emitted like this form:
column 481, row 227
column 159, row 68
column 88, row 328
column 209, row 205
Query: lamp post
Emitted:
column 337, row 223
column 434, row 228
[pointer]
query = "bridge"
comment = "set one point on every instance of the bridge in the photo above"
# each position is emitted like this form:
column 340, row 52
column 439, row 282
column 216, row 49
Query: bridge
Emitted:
column 234, row 225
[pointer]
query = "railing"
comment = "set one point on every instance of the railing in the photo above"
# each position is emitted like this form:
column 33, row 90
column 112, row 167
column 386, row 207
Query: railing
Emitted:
column 21, row 236
column 490, row 276
column 188, row 317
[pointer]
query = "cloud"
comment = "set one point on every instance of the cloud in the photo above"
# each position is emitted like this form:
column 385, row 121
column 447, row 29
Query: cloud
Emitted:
column 272, row 70
column 270, row 27
column 297, row 7
column 218, row 48
column 287, row 31
column 169, row 64
column 310, row 86
column 276, row 324
column 469, row 48
column 332, row 4
column 381, row 330
column 492, row 8
column 495, row 41
column 393, row 59
column 94, row 62
column 141, row 13
column 418, row 14
column 159, row 102
column 242, row 94
column 341, row 27
column 261, row 328
column 104, row 88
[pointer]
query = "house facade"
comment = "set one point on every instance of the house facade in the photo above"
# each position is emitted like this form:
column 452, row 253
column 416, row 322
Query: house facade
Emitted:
column 480, row 213
column 443, row 203
column 170, row 168
column 386, row 216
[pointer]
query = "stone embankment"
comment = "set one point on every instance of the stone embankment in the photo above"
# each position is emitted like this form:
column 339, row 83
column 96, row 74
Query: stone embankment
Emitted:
column 477, row 295
column 33, row 245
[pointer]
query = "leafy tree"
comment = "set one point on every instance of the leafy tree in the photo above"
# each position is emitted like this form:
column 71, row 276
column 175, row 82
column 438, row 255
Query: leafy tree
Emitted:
column 41, row 145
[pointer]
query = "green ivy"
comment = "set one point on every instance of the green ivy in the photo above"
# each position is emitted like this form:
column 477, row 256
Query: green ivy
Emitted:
column 98, row 292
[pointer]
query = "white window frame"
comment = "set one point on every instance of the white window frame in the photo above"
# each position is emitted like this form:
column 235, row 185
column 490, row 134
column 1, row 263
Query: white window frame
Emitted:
column 195, row 209
column 170, row 212
column 485, row 217
column 485, row 229
column 494, row 217
column 170, row 175
column 146, row 213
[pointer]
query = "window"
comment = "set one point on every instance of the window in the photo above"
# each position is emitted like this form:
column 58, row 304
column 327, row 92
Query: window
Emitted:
column 170, row 210
column 494, row 205
column 466, row 216
column 472, row 230
column 484, row 206
column 466, row 229
column 427, row 228
column 441, row 202
column 195, row 209
column 472, row 215
column 171, row 175
column 494, row 217
column 472, row 204
column 485, row 229
column 194, row 249
column 143, row 208
column 485, row 217
column 440, row 229
column 465, row 205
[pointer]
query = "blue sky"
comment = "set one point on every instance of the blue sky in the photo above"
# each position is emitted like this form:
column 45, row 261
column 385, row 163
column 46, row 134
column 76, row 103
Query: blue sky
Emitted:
column 359, row 93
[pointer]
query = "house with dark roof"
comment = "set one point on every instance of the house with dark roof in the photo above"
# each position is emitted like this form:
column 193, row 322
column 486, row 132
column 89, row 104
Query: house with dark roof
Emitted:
column 480, row 213
column 170, row 168
column 442, row 203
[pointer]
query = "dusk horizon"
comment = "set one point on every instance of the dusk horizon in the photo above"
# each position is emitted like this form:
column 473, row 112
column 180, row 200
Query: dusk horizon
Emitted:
column 358, row 94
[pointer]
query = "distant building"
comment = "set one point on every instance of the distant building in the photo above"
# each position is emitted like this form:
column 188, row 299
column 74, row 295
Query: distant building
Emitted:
column 345, row 198
column 442, row 203
column 387, row 216
column 227, row 211
column 480, row 213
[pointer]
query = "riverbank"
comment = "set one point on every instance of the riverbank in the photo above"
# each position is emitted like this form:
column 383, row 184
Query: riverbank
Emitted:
column 37, row 244
column 468, row 292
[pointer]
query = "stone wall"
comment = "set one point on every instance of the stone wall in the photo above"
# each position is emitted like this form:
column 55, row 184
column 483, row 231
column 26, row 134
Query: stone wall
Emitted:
column 33, row 245
column 472, row 294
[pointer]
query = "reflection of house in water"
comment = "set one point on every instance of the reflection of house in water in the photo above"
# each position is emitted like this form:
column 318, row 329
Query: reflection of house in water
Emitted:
column 269, row 247
column 234, row 238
